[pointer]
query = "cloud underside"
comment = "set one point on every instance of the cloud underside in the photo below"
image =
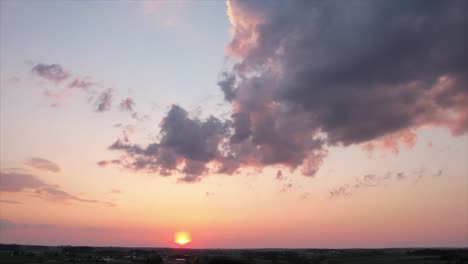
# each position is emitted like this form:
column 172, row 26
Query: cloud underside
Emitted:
column 313, row 74
column 13, row 182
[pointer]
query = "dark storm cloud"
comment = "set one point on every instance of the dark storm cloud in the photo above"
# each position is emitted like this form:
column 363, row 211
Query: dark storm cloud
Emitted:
column 52, row 72
column 308, row 75
column 104, row 101
column 43, row 164
column 356, row 71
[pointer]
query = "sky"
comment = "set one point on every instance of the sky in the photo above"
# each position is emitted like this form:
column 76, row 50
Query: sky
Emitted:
column 247, row 124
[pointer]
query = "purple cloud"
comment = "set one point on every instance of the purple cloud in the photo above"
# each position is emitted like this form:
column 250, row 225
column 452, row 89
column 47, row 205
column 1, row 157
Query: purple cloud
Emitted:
column 43, row 164
column 19, row 182
column 339, row 191
column 104, row 101
column 127, row 104
column 52, row 72
column 81, row 83
column 279, row 175
column 343, row 74
column 311, row 75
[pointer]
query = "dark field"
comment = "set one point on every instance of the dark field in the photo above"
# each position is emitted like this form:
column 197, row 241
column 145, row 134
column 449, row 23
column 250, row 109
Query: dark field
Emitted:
column 66, row 254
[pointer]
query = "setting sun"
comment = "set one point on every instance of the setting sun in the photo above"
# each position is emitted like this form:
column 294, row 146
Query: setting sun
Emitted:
column 182, row 238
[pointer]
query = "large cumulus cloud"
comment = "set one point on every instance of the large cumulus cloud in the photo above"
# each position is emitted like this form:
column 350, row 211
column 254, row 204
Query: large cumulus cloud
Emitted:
column 354, row 71
column 312, row 74
column 186, row 145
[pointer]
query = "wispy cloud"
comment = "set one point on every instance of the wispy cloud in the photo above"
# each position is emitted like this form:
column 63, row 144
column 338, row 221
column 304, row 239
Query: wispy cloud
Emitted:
column 339, row 191
column 22, row 182
column 17, row 182
column 81, row 83
column 43, row 164
column 373, row 180
column 10, row 201
column 115, row 191
column 7, row 224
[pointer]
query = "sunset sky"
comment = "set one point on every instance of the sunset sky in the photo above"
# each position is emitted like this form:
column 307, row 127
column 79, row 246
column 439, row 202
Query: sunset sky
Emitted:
column 258, row 124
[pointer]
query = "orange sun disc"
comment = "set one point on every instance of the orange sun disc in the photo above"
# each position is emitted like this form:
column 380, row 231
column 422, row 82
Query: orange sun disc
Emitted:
column 182, row 238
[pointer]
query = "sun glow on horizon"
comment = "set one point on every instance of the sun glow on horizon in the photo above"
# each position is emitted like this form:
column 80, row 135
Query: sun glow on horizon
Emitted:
column 182, row 238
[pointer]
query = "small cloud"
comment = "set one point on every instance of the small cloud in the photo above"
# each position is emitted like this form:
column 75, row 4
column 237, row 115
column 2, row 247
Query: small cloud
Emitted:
column 137, row 117
column 339, row 191
column 286, row 187
column 127, row 104
column 104, row 163
column 52, row 72
column 419, row 175
column 391, row 142
column 104, row 101
column 115, row 191
column 208, row 194
column 279, row 175
column 43, row 164
column 438, row 174
column 400, row 175
column 54, row 95
column 429, row 144
column 189, row 178
column 81, row 83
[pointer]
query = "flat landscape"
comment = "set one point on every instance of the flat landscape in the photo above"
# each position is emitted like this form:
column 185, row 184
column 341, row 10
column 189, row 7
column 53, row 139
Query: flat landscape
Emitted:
column 90, row 255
